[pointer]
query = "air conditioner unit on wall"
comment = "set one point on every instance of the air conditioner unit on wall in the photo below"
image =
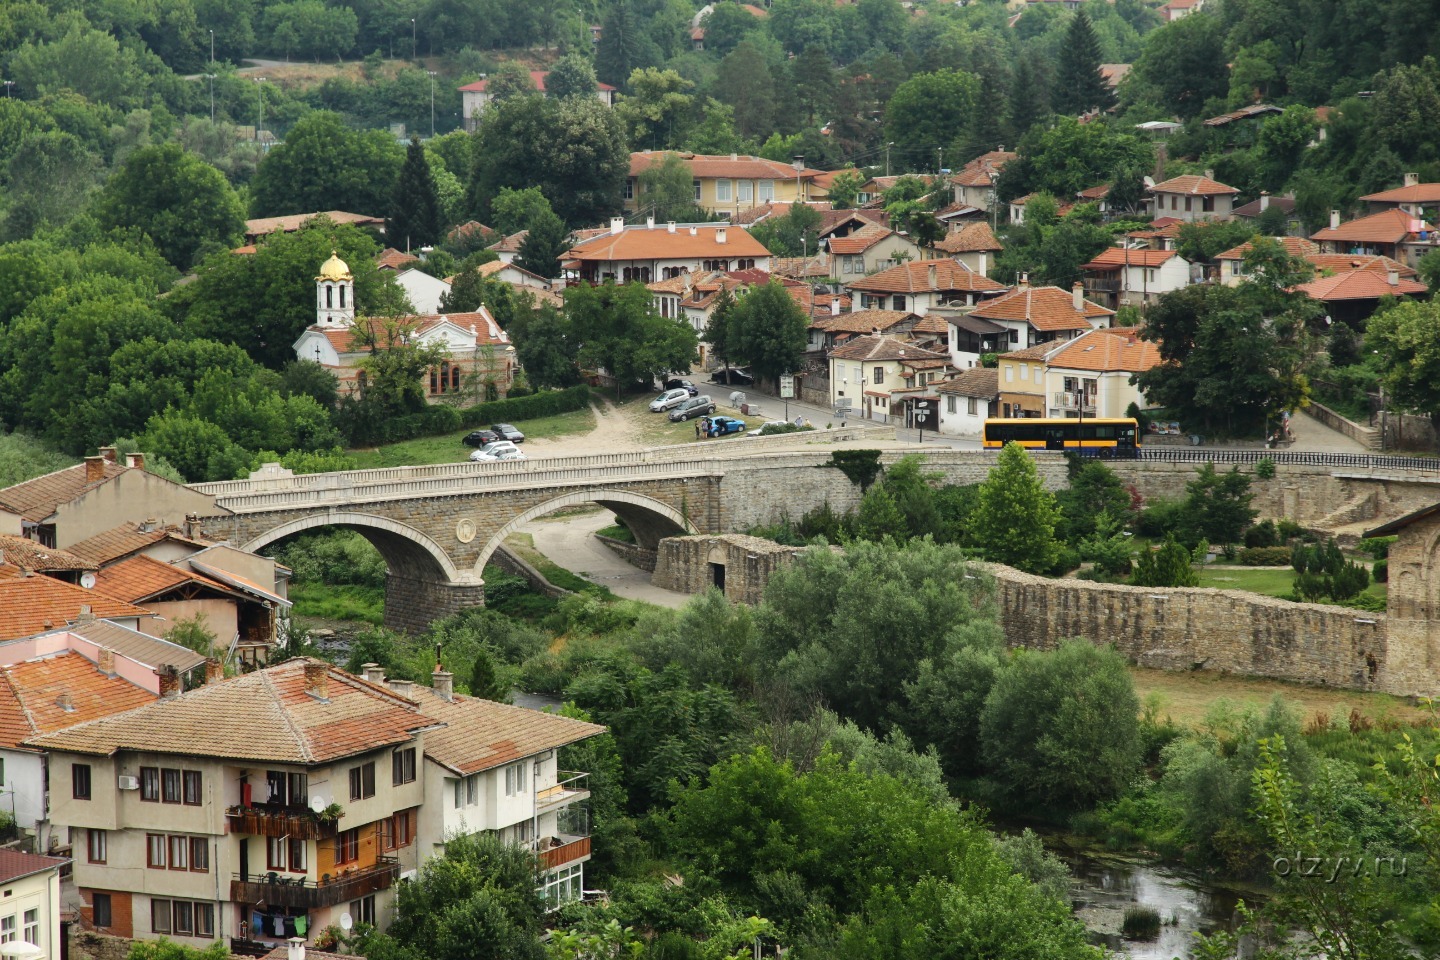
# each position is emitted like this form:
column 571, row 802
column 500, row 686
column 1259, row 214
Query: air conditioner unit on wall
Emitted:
column 127, row 783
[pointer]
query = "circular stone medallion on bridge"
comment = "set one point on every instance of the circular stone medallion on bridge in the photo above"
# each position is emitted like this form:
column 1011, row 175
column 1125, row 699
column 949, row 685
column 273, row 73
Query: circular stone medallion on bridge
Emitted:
column 465, row 530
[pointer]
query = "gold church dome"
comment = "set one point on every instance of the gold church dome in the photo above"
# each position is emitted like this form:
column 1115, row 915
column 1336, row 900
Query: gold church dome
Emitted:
column 334, row 269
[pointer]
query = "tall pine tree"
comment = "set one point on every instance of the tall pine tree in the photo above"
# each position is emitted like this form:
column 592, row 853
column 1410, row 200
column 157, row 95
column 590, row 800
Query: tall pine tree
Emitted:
column 546, row 241
column 1028, row 101
column 414, row 219
column 621, row 46
column 1079, row 87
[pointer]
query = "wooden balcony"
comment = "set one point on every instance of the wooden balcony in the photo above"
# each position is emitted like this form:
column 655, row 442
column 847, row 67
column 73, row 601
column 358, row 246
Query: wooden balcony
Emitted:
column 568, row 851
column 308, row 894
column 267, row 821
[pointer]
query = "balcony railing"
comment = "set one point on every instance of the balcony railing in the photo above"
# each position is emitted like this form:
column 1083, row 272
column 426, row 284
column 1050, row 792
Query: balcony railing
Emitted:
column 563, row 850
column 276, row 890
column 276, row 821
column 573, row 786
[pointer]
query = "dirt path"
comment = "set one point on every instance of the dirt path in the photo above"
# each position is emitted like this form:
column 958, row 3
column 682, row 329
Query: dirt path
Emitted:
column 570, row 542
column 614, row 433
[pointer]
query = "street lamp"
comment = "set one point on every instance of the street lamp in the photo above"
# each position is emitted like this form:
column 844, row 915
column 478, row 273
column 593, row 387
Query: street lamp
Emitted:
column 887, row 157
column 8, row 85
column 432, row 103
column 212, row 49
column 260, row 98
column 412, row 38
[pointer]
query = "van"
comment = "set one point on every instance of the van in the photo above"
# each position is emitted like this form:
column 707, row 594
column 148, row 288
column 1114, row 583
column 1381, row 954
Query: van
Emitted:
column 700, row 406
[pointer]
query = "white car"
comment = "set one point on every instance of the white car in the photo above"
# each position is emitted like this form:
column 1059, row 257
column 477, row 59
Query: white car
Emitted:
column 768, row 423
column 669, row 399
column 493, row 449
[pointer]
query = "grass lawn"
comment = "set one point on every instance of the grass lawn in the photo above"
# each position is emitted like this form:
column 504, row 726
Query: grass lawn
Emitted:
column 450, row 448
column 1271, row 581
column 339, row 602
column 656, row 430
column 1187, row 696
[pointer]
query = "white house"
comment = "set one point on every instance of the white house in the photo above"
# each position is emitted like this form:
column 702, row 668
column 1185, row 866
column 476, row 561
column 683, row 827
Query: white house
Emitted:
column 660, row 251
column 1120, row 276
column 30, row 911
column 423, row 290
column 1192, row 198
column 966, row 400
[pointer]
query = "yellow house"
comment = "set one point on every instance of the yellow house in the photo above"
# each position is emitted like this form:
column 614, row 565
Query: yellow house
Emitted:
column 729, row 184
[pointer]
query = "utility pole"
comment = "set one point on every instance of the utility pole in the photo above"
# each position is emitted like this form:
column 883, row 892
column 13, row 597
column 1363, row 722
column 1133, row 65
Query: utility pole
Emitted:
column 212, row 49
column 211, row 78
column 8, row 85
column 412, row 38
column 887, row 157
column 432, row 103
column 939, row 160
column 260, row 97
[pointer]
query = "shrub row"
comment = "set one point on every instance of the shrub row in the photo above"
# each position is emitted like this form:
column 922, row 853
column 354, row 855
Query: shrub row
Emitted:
column 439, row 418
column 1265, row 557
column 546, row 404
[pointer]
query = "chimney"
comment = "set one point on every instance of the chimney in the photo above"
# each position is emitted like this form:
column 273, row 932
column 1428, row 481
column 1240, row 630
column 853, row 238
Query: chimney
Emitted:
column 135, row 461
column 1209, row 174
column 1393, row 277
column 720, row 235
column 85, row 615
column 169, row 681
column 649, row 223
column 444, row 683
column 214, row 670
column 110, row 454
column 1024, row 281
column 1411, row 179
column 295, row 948
column 1334, row 219
column 148, row 525
column 670, row 227
column 105, row 661
column 1077, row 296
column 1264, row 200
column 617, row 225
column 835, row 305
column 192, row 526
column 734, row 157
column 930, row 271
column 402, row 687
column 94, row 469
column 692, row 231
column 65, row 702
column 981, row 271
column 374, row 673
column 317, row 679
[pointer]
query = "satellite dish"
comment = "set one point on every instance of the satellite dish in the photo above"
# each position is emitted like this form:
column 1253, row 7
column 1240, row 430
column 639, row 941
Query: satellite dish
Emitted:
column 346, row 922
column 87, row 580
column 317, row 804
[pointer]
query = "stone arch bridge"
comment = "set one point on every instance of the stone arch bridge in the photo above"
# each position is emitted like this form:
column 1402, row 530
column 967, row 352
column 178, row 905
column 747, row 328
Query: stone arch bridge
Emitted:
column 437, row 526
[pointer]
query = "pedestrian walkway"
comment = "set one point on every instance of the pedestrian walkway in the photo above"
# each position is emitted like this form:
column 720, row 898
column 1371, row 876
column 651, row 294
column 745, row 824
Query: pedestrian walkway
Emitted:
column 1312, row 436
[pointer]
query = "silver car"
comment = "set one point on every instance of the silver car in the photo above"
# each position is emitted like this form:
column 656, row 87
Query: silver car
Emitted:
column 669, row 400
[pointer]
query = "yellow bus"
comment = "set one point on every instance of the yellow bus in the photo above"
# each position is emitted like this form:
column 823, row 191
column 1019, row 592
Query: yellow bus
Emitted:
column 1118, row 437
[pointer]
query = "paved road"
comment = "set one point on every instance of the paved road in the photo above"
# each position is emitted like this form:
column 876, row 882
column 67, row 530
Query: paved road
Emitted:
column 570, row 542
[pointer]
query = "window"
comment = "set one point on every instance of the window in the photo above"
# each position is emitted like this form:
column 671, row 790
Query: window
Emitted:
column 399, row 829
column 7, row 928
column 950, row 404
column 362, row 781
column 1187, row 204
column 31, row 933
column 723, row 191
column 275, row 853
column 80, row 781
column 629, row 189
column 179, row 853
column 898, row 302
column 696, row 185
column 972, row 406
column 459, row 794
column 767, row 191
column 402, row 766
column 170, row 786
column 297, row 854
column 160, row 916
column 287, row 789
column 515, row 778
column 191, row 783
column 96, row 845
column 184, row 913
column 747, row 191
column 363, row 910
column 2, row 783
column 150, row 784
column 879, row 377
column 1014, row 336
column 205, row 920
column 199, row 855
column 347, row 846
column 155, row 851
column 472, row 789
column 182, row 917
column 100, row 909
column 1009, row 374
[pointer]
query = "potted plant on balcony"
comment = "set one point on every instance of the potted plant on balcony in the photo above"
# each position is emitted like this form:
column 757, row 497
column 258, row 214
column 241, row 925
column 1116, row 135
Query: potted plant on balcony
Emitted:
column 330, row 814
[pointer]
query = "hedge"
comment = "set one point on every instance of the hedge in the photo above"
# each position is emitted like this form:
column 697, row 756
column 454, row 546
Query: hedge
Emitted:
column 1265, row 557
column 440, row 418
column 511, row 409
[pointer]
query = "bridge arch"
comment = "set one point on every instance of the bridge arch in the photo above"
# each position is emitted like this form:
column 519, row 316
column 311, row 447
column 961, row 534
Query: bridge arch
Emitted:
column 406, row 551
column 649, row 519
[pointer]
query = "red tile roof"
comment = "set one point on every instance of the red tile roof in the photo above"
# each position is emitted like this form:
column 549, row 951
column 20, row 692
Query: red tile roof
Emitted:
column 27, row 554
column 982, row 171
column 141, row 578
column 1342, row 262
column 883, row 348
column 861, row 321
column 1360, row 285
column 1192, row 185
column 392, row 259
column 1111, row 350
column 265, row 716
column 487, row 331
column 814, row 266
column 927, row 276
column 482, row 734
column 1252, row 209
column 1115, row 257
column 294, row 221
column 1415, row 193
column 15, row 864
column 638, row 243
column 974, row 382
column 1044, row 308
column 510, row 244
column 35, row 695
column 1295, row 246
column 126, row 539
column 31, row 605
column 729, row 166
column 859, row 241
column 1387, row 226
column 971, row 238
column 537, row 77
column 36, row 499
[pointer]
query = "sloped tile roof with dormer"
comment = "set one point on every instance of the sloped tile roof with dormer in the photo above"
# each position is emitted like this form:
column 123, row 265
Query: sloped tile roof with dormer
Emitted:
column 1044, row 308
column 482, row 734
column 270, row 715
column 54, row 692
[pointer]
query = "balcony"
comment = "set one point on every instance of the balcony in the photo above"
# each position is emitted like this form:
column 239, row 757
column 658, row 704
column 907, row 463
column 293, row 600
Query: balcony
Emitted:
column 572, row 787
column 277, row 821
column 1102, row 285
column 304, row 894
column 562, row 850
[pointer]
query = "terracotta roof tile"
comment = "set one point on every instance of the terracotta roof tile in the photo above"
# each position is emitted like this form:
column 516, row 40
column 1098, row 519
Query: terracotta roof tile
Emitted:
column 859, row 241
column 932, row 324
column 392, row 259
column 126, row 539
column 776, row 208
column 280, row 721
column 1360, row 285
column 36, row 499
column 974, row 382
column 142, row 578
column 481, row 734
column 861, row 321
column 815, row 266
column 883, row 348
column 488, row 332
column 982, row 171
column 1342, row 262
column 145, row 650
column 15, row 864
column 1193, row 185
column 31, row 605
column 1113, row 257
column 510, row 244
column 1415, row 193
column 1252, row 209
column 1244, row 113
column 293, row 222
column 34, row 696
column 1044, row 308
column 1117, row 349
column 971, row 238
column 706, row 166
column 927, row 276
column 1387, row 226
column 1295, row 246
column 639, row 243
column 30, row 555
column 1037, row 352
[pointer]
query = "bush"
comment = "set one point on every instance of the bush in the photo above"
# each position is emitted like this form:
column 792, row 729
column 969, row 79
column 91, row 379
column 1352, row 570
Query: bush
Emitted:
column 1263, row 534
column 775, row 429
column 1140, row 923
column 1288, row 529
column 512, row 409
column 1161, row 517
column 1377, row 547
column 1381, row 571
column 1265, row 557
column 1265, row 468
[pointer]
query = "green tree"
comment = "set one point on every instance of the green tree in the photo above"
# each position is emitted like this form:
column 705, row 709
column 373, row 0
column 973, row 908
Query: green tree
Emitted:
column 485, row 681
column 727, row 25
column 1217, row 506
column 326, row 165
column 666, row 190
column 414, row 219
column 657, row 109
column 513, row 210
column 545, row 348
column 845, row 190
column 623, row 46
column 1068, row 156
column 619, row 331
column 744, row 81
column 193, row 633
column 1407, row 340
column 1015, row 516
column 49, row 178
column 164, row 949
column 1079, row 87
column 1062, row 729
column 573, row 75
column 510, row 80
column 1182, row 66
column 929, row 112
column 174, row 198
column 1167, row 567
column 1094, row 491
column 717, row 328
column 879, row 518
column 768, row 331
column 546, row 241
column 945, row 701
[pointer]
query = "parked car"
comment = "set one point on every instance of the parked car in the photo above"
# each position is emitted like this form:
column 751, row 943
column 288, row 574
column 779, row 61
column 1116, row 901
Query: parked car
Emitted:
column 719, row 426
column 700, row 406
column 508, row 431
column 669, row 400
column 733, row 376
column 492, row 448
column 686, row 385
column 768, row 423
column 507, row 455
column 478, row 438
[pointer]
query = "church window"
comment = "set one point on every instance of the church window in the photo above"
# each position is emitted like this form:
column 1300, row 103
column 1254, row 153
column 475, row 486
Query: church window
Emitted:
column 329, row 296
column 342, row 296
